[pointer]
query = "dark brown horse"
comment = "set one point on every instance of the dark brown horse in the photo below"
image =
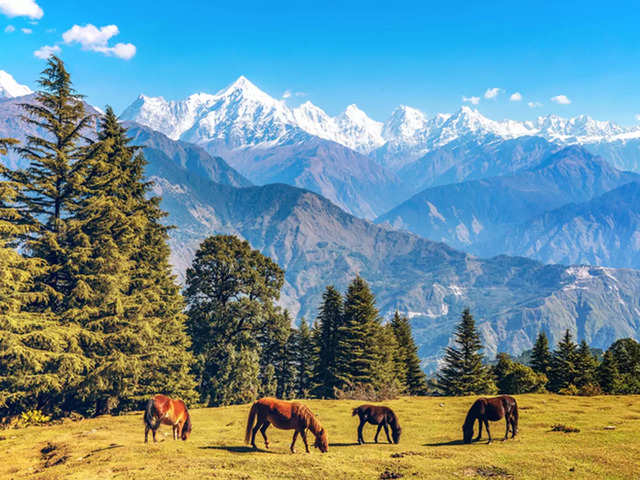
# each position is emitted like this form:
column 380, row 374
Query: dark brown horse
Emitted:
column 491, row 409
column 383, row 417
column 164, row 410
column 286, row 416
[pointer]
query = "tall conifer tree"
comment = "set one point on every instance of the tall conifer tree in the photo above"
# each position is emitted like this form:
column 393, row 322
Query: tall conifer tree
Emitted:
column 463, row 372
column 541, row 356
column 358, row 354
column 413, row 377
column 329, row 321
column 562, row 371
column 41, row 362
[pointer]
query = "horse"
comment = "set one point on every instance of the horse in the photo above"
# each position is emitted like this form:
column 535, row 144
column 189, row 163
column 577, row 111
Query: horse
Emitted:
column 164, row 410
column 494, row 409
column 285, row 416
column 381, row 416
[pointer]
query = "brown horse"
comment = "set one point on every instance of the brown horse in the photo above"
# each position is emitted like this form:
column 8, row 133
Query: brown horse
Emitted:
column 381, row 416
column 285, row 416
column 164, row 410
column 491, row 409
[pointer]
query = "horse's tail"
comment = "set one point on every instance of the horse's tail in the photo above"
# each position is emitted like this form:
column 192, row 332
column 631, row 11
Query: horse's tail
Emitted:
column 515, row 416
column 250, row 421
column 148, row 413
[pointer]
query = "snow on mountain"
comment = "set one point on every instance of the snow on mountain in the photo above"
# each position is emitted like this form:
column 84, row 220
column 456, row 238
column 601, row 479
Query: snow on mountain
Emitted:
column 242, row 115
column 9, row 88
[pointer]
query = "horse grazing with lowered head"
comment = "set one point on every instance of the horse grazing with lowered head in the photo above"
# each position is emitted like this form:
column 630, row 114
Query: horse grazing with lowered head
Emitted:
column 164, row 410
column 383, row 417
column 285, row 416
column 491, row 409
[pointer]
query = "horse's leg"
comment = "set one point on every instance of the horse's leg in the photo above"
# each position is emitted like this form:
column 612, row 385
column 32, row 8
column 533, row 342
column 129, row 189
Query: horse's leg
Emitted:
column 507, row 419
column 153, row 431
column 375, row 439
column 303, row 434
column 479, row 429
column 486, row 425
column 512, row 420
column 263, row 431
column 146, row 433
column 173, row 431
column 360, row 427
column 386, row 430
column 293, row 442
column 253, row 434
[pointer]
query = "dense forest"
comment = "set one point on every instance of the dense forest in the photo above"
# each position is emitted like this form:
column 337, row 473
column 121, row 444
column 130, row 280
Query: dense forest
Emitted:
column 93, row 321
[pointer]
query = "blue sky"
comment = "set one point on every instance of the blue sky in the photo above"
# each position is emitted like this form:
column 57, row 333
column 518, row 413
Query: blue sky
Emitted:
column 428, row 55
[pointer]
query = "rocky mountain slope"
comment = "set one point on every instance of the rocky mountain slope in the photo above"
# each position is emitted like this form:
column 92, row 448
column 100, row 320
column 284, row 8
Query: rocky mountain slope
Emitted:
column 476, row 215
column 602, row 231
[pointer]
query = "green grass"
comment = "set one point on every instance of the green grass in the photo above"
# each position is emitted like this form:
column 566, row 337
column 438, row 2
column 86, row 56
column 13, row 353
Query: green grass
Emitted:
column 112, row 447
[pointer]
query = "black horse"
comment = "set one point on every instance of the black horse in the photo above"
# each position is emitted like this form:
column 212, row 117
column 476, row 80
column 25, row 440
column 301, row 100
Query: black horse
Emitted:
column 485, row 409
column 384, row 417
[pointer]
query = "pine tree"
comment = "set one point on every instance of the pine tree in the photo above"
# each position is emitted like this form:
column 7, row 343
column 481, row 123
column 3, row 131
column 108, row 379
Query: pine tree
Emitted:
column 358, row 354
column 586, row 366
column 608, row 375
column 562, row 371
column 387, row 374
column 306, row 359
column 129, row 317
column 463, row 372
column 41, row 361
column 326, row 377
column 411, row 373
column 541, row 356
column 52, row 184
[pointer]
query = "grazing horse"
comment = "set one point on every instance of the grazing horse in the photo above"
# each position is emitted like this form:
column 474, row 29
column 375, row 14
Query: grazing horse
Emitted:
column 381, row 416
column 485, row 409
column 285, row 416
column 164, row 410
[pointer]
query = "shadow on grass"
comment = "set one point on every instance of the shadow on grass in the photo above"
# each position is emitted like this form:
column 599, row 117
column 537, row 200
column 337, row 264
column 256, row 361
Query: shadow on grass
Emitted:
column 353, row 444
column 446, row 444
column 236, row 449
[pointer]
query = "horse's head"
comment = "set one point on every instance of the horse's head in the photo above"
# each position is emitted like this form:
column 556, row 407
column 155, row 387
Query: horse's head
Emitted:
column 395, row 433
column 186, row 428
column 322, row 441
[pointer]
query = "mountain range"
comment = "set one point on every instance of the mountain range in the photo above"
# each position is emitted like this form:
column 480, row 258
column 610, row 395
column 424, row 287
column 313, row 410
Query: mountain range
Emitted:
column 479, row 215
column 210, row 157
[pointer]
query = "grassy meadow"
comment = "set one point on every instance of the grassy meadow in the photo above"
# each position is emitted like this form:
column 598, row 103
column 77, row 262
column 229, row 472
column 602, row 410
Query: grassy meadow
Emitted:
column 113, row 448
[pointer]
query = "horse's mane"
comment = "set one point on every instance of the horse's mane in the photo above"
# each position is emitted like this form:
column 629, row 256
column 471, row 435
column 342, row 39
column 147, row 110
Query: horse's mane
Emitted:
column 392, row 418
column 472, row 413
column 309, row 418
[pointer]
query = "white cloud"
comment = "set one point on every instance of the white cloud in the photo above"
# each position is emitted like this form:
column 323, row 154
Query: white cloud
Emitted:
column 21, row 8
column 534, row 104
column 27, row 31
column 97, row 39
column 288, row 94
column 515, row 97
column 638, row 117
column 46, row 51
column 561, row 99
column 9, row 29
column 472, row 100
column 492, row 93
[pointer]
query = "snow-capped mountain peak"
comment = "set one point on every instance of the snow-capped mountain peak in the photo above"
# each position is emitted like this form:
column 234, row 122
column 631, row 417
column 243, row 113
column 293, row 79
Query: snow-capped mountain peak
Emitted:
column 9, row 88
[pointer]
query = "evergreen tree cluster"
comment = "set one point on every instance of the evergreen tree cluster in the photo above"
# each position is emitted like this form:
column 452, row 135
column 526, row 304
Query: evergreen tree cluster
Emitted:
column 90, row 315
column 232, row 315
